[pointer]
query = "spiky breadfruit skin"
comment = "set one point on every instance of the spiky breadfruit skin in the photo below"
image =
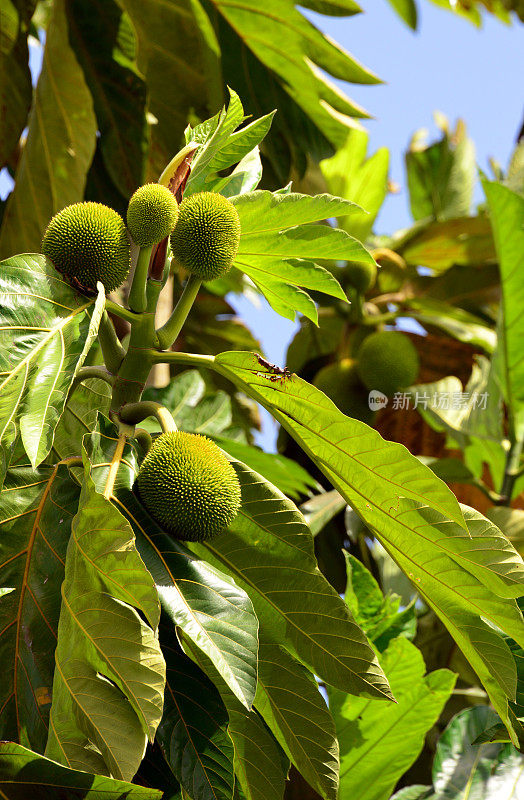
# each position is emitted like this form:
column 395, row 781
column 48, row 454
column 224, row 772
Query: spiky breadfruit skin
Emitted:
column 341, row 383
column 151, row 214
column 207, row 234
column 87, row 242
column 360, row 276
column 388, row 361
column 188, row 486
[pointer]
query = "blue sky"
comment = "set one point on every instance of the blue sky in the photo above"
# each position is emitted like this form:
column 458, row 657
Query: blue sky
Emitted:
column 447, row 65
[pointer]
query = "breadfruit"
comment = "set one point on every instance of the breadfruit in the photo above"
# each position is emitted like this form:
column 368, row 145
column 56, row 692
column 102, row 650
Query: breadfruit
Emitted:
column 387, row 361
column 207, row 234
column 341, row 383
column 151, row 215
column 188, row 486
column 360, row 276
column 87, row 242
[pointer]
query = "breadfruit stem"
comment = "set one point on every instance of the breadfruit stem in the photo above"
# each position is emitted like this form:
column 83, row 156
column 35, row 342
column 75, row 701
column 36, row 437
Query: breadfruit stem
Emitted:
column 133, row 413
column 144, row 439
column 137, row 300
column 169, row 332
column 511, row 472
column 112, row 349
column 84, row 373
column 120, row 311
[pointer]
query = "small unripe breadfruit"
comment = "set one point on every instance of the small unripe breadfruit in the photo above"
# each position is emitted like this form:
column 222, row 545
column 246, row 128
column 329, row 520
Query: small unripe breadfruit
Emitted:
column 361, row 276
column 151, row 214
column 341, row 383
column 87, row 242
column 207, row 234
column 388, row 361
column 188, row 486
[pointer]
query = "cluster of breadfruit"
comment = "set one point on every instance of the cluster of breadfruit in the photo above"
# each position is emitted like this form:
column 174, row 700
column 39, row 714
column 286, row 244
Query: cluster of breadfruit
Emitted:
column 89, row 242
column 385, row 360
column 185, row 481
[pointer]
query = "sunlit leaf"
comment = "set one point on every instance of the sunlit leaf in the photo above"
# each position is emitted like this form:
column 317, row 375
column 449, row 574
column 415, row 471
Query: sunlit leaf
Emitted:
column 268, row 550
column 107, row 656
column 44, row 341
column 378, row 744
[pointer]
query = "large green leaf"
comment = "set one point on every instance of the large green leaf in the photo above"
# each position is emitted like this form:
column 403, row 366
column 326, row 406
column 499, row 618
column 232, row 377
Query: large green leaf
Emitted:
column 60, row 144
column 15, row 78
column 379, row 743
column 289, row 700
column 90, row 398
column 26, row 774
column 200, row 600
column 279, row 245
column 36, row 509
column 104, row 43
column 44, row 341
column 507, row 219
column 193, row 731
column 462, row 769
column 416, row 519
column 363, row 180
column 107, row 656
column 206, row 604
column 441, row 176
column 456, row 322
column 260, row 765
column 268, row 550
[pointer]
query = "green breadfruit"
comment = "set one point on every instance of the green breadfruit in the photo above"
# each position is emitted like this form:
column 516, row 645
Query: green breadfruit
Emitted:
column 341, row 383
column 152, row 214
column 361, row 276
column 207, row 234
column 188, row 486
column 388, row 361
column 87, row 242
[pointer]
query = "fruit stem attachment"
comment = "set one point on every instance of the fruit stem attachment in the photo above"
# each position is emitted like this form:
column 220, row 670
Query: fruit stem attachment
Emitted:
column 169, row 332
column 84, row 373
column 133, row 413
column 120, row 311
column 112, row 349
column 137, row 294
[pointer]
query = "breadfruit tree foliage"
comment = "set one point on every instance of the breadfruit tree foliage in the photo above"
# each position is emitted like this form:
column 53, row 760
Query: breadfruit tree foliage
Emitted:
column 145, row 656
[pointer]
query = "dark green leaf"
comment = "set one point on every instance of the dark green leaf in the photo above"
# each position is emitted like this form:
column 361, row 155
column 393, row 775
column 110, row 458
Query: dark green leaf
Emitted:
column 320, row 509
column 15, row 78
column 289, row 700
column 104, row 43
column 36, row 510
column 407, row 10
column 26, row 774
column 193, row 731
column 60, row 144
